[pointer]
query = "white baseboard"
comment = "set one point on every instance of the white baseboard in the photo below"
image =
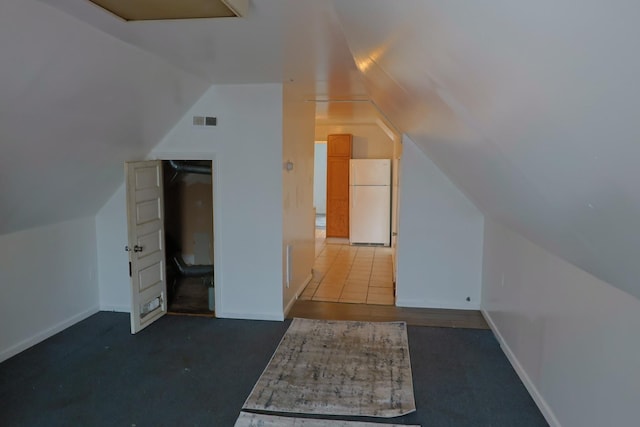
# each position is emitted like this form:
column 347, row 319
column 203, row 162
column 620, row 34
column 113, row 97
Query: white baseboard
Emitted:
column 116, row 308
column 297, row 294
column 412, row 303
column 250, row 316
column 531, row 388
column 43, row 335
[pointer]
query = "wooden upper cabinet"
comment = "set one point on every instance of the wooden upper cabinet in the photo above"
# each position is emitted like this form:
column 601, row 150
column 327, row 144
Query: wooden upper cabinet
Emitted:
column 339, row 145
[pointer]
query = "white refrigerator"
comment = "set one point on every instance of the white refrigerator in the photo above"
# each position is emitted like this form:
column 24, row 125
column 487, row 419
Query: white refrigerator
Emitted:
column 370, row 201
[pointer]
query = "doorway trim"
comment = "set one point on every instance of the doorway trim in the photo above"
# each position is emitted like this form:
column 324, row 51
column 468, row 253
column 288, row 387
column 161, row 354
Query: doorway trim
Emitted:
column 217, row 229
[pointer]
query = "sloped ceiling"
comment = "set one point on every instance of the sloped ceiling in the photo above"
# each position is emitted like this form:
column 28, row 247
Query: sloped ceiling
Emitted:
column 529, row 107
column 75, row 103
column 84, row 91
column 278, row 41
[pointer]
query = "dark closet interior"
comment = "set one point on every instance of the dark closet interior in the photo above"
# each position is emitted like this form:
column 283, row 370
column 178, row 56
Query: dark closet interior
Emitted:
column 188, row 207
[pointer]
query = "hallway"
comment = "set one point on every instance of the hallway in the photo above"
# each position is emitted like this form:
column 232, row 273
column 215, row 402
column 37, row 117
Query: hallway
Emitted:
column 350, row 274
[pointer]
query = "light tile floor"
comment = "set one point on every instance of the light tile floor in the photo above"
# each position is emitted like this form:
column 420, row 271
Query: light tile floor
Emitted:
column 350, row 274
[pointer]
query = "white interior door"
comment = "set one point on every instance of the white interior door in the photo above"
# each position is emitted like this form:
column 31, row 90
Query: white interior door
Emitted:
column 145, row 217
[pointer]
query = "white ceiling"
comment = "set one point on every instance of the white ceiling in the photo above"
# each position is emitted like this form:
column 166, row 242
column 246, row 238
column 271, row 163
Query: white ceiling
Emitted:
column 278, row 40
column 528, row 107
column 74, row 105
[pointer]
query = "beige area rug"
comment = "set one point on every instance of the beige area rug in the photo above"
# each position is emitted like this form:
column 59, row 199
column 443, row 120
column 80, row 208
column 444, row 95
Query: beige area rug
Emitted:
column 338, row 368
column 261, row 420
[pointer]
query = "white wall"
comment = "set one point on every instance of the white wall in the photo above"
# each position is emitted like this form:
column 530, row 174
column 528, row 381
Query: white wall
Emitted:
column 48, row 280
column 298, row 222
column 395, row 190
column 572, row 337
column 369, row 140
column 320, row 178
column 113, row 261
column 246, row 147
column 440, row 238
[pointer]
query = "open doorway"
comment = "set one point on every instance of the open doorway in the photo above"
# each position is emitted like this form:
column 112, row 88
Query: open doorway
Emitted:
column 189, row 237
column 342, row 272
column 320, row 191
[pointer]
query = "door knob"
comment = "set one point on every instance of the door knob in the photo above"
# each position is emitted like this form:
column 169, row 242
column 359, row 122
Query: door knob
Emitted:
column 136, row 248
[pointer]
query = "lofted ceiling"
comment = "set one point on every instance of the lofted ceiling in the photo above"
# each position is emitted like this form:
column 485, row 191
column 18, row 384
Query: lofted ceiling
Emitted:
column 528, row 107
column 74, row 105
column 83, row 91
column 277, row 41
column 145, row 10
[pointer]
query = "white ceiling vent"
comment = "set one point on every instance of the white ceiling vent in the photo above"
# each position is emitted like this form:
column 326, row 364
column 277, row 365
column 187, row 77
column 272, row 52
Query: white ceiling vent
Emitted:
column 149, row 10
column 205, row 121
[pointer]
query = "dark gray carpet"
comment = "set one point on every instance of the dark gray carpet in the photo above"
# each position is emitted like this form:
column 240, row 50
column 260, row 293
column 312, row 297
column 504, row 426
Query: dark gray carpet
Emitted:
column 190, row 371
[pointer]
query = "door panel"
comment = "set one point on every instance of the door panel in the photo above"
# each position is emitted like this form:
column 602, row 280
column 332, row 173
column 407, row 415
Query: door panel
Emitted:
column 152, row 243
column 150, row 276
column 338, row 197
column 148, row 211
column 145, row 218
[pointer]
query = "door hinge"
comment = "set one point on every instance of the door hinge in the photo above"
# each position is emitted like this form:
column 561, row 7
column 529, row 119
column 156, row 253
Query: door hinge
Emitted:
column 129, row 268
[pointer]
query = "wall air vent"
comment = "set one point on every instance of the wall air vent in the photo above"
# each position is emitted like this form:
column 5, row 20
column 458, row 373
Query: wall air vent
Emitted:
column 149, row 10
column 205, row 121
